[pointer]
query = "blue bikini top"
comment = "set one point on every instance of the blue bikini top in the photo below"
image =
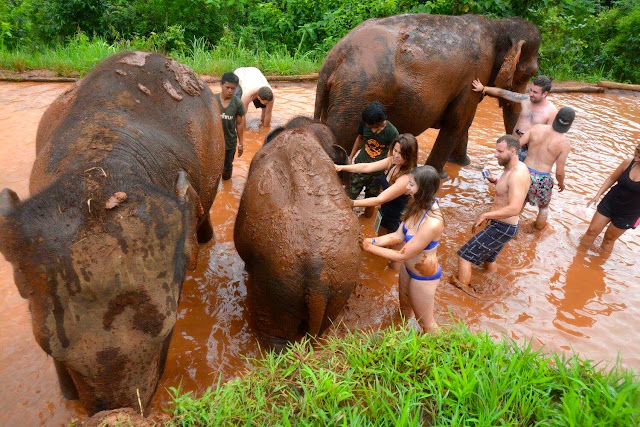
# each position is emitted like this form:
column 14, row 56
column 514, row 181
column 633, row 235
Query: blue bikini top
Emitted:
column 408, row 237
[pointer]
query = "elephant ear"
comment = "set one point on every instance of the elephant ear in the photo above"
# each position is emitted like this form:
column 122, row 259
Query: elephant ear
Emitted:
column 9, row 200
column 339, row 156
column 504, row 79
column 192, row 209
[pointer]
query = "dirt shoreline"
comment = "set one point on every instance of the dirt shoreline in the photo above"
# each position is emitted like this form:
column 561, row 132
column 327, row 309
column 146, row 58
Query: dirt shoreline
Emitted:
column 48, row 76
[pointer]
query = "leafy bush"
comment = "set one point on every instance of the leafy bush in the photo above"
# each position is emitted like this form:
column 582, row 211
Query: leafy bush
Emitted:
column 586, row 39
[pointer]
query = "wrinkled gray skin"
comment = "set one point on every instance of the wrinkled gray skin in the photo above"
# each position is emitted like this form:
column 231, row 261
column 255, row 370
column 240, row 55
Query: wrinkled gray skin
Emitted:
column 103, row 281
column 421, row 67
column 298, row 237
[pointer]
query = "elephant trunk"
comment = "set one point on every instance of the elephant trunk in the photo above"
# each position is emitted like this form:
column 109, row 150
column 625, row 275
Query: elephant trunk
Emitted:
column 510, row 114
column 108, row 391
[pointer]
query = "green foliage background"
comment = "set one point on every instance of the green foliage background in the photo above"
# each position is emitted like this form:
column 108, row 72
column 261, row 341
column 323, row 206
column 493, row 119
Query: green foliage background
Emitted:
column 582, row 39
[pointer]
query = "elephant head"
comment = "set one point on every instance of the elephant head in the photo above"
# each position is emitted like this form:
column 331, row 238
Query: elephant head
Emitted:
column 103, row 278
column 516, row 61
column 322, row 132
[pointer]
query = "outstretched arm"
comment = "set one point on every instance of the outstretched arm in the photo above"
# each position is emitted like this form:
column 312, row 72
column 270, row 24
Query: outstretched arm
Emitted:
column 372, row 167
column 393, row 192
column 429, row 230
column 498, row 93
column 390, row 239
column 611, row 179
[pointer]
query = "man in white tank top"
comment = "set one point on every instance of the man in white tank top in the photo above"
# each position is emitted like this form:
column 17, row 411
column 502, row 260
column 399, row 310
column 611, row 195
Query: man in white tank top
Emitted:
column 254, row 88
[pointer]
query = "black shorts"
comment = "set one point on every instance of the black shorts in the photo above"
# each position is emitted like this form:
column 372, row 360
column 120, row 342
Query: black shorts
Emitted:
column 391, row 223
column 487, row 244
column 624, row 222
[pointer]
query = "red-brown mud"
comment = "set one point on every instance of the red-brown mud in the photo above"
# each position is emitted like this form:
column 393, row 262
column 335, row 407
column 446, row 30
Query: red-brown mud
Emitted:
column 544, row 288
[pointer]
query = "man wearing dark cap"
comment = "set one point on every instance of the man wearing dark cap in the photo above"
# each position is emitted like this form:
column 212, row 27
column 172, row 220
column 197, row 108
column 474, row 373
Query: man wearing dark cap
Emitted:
column 547, row 146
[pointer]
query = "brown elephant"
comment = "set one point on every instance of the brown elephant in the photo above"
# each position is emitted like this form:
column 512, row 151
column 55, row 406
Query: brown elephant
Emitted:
column 298, row 237
column 421, row 67
column 127, row 166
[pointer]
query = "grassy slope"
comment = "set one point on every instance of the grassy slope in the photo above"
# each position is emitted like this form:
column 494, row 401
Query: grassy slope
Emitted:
column 397, row 377
column 81, row 55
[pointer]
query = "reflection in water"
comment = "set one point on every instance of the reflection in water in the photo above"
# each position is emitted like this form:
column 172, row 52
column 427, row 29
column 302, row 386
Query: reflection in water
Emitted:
column 544, row 288
column 581, row 300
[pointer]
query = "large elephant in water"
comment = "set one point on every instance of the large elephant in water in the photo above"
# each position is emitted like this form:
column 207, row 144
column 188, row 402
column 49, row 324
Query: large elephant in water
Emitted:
column 297, row 235
column 421, row 67
column 127, row 166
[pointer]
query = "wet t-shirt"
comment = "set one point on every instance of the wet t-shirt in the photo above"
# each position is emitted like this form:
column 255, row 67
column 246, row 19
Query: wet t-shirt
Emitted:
column 375, row 145
column 228, row 116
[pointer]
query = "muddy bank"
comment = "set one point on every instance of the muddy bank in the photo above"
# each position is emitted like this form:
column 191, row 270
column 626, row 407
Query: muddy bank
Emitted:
column 48, row 76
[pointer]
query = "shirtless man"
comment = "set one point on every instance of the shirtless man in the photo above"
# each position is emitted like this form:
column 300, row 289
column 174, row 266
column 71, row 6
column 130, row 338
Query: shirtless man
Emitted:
column 536, row 108
column 547, row 146
column 254, row 88
column 511, row 190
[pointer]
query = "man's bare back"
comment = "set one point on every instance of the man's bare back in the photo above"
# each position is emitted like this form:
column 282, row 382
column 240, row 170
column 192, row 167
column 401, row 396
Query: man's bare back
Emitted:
column 546, row 147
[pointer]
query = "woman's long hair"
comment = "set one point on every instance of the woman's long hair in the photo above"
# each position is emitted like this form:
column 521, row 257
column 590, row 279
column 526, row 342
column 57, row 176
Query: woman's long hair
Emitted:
column 409, row 152
column 428, row 181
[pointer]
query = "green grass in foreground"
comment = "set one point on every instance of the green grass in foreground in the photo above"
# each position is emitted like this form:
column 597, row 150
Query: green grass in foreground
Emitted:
column 397, row 377
column 80, row 55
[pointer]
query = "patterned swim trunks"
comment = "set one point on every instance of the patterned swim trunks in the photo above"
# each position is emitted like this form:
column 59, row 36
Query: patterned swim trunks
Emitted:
column 540, row 190
column 487, row 244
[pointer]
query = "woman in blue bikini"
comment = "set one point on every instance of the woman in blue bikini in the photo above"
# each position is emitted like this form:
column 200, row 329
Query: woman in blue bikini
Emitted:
column 421, row 229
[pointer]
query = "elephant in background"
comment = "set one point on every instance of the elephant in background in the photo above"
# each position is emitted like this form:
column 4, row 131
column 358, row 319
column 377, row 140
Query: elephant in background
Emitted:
column 420, row 67
column 127, row 166
column 297, row 235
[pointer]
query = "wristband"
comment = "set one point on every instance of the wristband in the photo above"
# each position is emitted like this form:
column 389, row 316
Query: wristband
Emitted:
column 484, row 90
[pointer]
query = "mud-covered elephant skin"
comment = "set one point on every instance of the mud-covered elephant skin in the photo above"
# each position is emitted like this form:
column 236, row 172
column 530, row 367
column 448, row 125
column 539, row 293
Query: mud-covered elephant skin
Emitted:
column 298, row 237
column 127, row 165
column 421, row 68
column 323, row 134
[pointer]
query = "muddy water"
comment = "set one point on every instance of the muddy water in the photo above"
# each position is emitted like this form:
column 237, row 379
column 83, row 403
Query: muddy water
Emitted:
column 545, row 289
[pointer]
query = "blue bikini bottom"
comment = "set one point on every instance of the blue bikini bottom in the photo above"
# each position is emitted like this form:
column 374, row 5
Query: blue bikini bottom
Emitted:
column 434, row 276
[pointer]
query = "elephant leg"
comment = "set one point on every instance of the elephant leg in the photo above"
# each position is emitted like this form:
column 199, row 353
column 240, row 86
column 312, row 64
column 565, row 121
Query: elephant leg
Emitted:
column 164, row 351
column 442, row 149
column 316, row 304
column 67, row 386
column 451, row 143
column 459, row 153
column 205, row 230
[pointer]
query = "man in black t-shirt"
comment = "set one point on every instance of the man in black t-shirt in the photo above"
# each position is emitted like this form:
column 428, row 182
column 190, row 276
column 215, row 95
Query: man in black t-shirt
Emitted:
column 232, row 116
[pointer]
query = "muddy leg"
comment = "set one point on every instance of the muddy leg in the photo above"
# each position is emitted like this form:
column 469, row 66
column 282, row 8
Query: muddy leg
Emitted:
column 403, row 294
column 422, row 293
column 541, row 219
column 464, row 271
column 610, row 236
column 598, row 223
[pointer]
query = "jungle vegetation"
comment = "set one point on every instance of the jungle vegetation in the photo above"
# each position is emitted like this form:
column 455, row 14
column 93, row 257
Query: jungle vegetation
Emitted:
column 581, row 39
